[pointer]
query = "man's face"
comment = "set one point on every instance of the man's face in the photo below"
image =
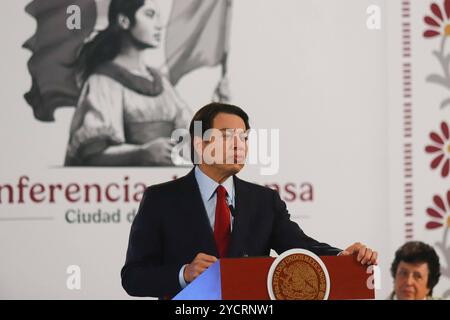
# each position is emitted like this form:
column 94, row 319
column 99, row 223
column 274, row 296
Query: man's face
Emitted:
column 227, row 147
column 411, row 281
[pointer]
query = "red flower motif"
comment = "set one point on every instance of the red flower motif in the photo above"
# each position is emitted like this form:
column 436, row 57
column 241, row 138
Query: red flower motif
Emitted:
column 440, row 149
column 437, row 23
column 439, row 212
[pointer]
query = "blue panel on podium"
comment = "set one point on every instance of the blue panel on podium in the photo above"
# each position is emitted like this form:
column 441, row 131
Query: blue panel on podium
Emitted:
column 206, row 287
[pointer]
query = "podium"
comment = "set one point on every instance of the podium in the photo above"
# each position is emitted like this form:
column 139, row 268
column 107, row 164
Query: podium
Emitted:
column 247, row 279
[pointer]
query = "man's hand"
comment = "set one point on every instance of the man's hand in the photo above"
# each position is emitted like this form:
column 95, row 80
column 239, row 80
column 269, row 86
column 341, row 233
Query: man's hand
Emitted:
column 201, row 262
column 365, row 254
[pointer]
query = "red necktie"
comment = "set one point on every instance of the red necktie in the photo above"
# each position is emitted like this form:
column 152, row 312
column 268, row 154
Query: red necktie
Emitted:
column 222, row 224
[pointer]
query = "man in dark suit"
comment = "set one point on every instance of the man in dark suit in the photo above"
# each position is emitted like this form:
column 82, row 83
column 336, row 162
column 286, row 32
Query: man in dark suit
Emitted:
column 183, row 226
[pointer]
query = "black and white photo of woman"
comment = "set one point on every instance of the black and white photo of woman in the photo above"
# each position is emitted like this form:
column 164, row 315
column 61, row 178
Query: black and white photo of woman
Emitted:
column 127, row 111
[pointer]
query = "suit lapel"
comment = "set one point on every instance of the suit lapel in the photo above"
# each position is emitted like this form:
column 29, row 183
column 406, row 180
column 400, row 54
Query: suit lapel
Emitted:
column 198, row 215
column 243, row 212
column 200, row 222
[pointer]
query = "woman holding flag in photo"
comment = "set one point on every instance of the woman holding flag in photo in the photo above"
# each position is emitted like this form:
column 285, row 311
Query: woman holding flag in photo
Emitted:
column 126, row 111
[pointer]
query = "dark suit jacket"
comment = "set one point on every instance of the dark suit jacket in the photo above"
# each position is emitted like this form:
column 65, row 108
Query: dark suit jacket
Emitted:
column 172, row 227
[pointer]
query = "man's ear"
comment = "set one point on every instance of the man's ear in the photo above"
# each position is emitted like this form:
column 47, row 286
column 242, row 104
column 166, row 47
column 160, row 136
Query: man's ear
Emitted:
column 123, row 21
column 198, row 148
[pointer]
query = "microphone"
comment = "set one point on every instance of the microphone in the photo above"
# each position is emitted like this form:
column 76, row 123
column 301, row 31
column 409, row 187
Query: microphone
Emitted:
column 232, row 211
column 243, row 253
column 230, row 206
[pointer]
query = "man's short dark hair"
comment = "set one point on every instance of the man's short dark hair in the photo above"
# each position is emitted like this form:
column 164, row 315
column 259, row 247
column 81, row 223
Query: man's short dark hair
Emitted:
column 206, row 116
column 419, row 252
